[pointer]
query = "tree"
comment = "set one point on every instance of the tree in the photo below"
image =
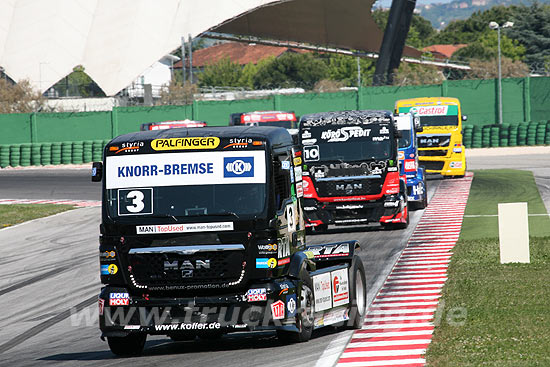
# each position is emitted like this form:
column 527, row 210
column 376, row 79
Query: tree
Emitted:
column 20, row 97
column 410, row 74
column 488, row 69
column 78, row 83
column 177, row 94
column 531, row 30
column 486, row 48
column 476, row 27
column 291, row 70
column 343, row 68
column 224, row 73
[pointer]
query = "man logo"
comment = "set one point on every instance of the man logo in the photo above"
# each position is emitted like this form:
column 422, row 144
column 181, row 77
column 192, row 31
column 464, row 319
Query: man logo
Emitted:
column 238, row 167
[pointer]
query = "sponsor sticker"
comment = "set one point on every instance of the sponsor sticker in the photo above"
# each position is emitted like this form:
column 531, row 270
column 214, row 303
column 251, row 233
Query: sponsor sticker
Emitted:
column 272, row 263
column 325, row 251
column 344, row 134
column 238, row 167
column 335, row 316
column 429, row 110
column 298, row 173
column 285, row 165
column 238, row 143
column 132, row 327
column 283, row 261
column 299, row 189
column 186, row 143
column 267, row 248
column 410, row 165
column 340, row 287
column 291, row 305
column 262, row 263
column 400, row 155
column 297, row 161
column 322, row 292
column 108, row 255
column 184, row 169
column 256, row 295
column 457, row 164
column 129, row 147
column 284, row 288
column 278, row 310
column 109, row 269
column 184, row 228
column 101, row 305
column 119, row 299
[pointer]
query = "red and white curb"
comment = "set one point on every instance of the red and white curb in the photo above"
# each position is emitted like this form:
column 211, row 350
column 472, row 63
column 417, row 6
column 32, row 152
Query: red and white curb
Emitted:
column 399, row 324
column 77, row 203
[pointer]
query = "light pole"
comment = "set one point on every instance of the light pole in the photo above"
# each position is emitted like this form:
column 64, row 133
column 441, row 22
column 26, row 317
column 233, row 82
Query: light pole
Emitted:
column 495, row 25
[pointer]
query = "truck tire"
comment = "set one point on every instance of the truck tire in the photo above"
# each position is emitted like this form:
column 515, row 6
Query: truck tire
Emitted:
column 304, row 313
column 321, row 228
column 358, row 293
column 130, row 345
column 425, row 198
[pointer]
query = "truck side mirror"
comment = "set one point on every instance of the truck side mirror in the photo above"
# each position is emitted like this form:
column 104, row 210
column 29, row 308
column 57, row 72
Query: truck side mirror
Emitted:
column 464, row 117
column 97, row 171
column 274, row 223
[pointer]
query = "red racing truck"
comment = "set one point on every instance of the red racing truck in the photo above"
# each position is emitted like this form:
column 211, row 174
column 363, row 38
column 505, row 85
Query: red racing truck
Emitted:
column 351, row 172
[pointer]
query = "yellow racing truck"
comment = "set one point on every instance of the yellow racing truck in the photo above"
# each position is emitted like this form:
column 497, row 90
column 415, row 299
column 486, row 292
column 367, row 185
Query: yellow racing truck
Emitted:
column 440, row 147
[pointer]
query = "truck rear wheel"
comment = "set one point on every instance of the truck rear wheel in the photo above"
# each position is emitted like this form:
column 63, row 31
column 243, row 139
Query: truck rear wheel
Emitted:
column 130, row 345
column 304, row 313
column 358, row 293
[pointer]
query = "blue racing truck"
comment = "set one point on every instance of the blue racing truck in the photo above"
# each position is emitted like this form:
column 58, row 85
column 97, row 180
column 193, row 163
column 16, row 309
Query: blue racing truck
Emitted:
column 417, row 193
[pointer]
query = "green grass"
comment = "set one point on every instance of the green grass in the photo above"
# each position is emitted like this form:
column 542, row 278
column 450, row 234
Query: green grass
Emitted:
column 19, row 213
column 505, row 308
column 491, row 187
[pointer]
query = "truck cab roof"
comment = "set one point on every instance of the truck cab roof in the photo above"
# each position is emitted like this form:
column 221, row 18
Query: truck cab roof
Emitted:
column 346, row 117
column 277, row 136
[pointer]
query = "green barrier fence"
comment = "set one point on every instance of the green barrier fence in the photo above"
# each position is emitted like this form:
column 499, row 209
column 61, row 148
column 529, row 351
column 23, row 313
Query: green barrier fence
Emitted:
column 524, row 99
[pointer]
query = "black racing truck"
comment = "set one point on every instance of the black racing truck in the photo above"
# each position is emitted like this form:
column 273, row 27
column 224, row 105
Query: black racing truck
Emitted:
column 351, row 172
column 203, row 234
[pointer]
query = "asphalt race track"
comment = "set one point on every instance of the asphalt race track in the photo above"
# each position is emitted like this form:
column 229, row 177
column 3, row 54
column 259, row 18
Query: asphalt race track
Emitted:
column 74, row 184
column 50, row 280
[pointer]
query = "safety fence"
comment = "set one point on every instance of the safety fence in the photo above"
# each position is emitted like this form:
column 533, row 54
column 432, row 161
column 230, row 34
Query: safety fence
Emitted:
column 78, row 152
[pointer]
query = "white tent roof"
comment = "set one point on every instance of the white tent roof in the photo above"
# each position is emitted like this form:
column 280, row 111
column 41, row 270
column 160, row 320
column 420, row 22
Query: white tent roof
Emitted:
column 115, row 40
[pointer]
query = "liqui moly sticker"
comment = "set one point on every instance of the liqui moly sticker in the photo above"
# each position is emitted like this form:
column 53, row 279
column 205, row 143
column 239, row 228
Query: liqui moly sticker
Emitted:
column 278, row 310
column 184, row 228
